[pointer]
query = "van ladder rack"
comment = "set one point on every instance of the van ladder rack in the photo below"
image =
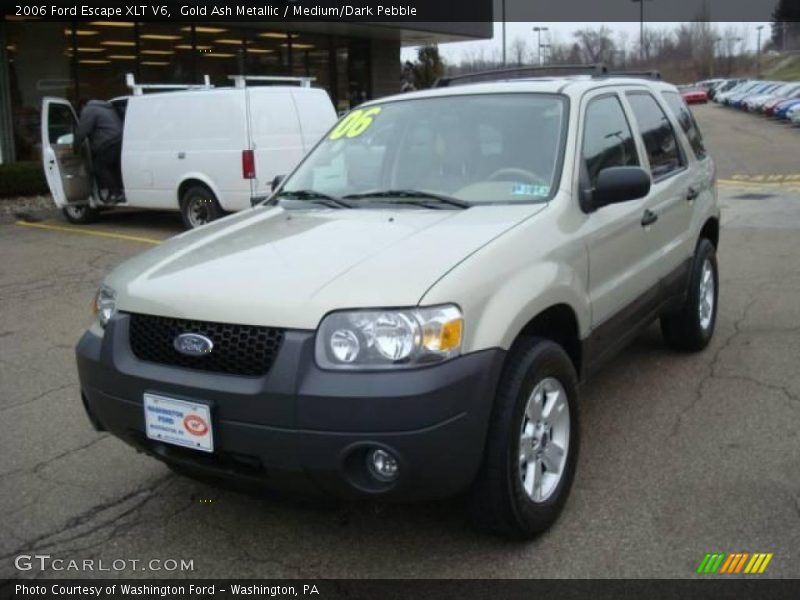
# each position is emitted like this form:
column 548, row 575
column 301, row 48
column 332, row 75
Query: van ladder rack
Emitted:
column 240, row 81
column 139, row 88
column 522, row 72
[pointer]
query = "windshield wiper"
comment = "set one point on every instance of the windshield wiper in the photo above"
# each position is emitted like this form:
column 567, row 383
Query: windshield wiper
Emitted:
column 315, row 197
column 442, row 199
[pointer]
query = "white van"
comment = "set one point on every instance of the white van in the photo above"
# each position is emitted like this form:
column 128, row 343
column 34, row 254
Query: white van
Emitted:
column 200, row 150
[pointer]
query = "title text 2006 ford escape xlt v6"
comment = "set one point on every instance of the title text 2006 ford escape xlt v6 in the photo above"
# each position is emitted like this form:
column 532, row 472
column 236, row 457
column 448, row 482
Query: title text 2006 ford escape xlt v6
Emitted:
column 409, row 314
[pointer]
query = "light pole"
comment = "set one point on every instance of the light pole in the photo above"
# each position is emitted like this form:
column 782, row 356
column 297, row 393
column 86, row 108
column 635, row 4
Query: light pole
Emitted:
column 546, row 56
column 714, row 53
column 641, row 26
column 758, row 65
column 504, row 33
column 539, row 31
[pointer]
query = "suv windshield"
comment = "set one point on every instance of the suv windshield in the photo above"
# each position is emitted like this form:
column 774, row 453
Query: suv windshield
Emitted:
column 463, row 149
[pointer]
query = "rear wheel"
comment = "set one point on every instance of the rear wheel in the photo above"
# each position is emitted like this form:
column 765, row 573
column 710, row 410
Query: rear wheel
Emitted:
column 199, row 206
column 692, row 326
column 532, row 445
column 80, row 214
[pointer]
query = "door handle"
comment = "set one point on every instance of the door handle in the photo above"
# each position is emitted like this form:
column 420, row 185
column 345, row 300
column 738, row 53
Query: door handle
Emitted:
column 649, row 218
column 692, row 194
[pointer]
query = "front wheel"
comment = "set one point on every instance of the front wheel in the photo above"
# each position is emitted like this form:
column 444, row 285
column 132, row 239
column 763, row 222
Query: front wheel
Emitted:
column 691, row 328
column 199, row 206
column 80, row 214
column 532, row 444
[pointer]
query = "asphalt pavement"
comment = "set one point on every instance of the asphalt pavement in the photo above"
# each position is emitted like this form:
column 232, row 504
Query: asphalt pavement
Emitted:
column 681, row 454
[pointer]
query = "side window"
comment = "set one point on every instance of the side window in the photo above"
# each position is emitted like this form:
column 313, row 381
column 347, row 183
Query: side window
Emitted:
column 607, row 138
column 688, row 124
column 657, row 133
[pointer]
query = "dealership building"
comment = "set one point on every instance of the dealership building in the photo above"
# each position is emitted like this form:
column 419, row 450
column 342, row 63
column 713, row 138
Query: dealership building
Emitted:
column 83, row 60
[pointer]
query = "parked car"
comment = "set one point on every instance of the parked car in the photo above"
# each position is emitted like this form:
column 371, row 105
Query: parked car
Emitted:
column 755, row 103
column 781, row 111
column 723, row 87
column 408, row 316
column 203, row 152
column 771, row 105
column 693, row 95
column 737, row 100
column 794, row 115
column 724, row 97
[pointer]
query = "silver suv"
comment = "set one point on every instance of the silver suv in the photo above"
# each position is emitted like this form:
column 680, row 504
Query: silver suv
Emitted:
column 409, row 314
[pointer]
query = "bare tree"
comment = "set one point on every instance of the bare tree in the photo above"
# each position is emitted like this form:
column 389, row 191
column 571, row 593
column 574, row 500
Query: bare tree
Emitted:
column 518, row 51
column 596, row 44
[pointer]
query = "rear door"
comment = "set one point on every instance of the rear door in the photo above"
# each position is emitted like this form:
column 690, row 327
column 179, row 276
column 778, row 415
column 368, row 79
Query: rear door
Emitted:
column 275, row 135
column 67, row 172
column 668, row 207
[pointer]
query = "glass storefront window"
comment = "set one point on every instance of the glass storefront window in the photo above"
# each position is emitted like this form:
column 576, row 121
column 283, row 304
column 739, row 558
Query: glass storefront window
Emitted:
column 89, row 60
column 165, row 53
column 104, row 52
column 39, row 64
column 267, row 53
column 220, row 53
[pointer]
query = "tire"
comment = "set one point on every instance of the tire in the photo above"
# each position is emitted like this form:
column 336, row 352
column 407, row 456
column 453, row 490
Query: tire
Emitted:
column 690, row 329
column 499, row 501
column 80, row 214
column 199, row 206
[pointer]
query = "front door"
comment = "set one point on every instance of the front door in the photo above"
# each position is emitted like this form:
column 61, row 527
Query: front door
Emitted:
column 68, row 173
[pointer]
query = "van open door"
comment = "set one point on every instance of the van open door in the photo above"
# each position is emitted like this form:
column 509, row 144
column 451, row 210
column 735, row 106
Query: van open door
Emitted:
column 68, row 173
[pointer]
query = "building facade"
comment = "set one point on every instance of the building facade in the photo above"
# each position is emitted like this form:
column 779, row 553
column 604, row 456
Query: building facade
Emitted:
column 84, row 60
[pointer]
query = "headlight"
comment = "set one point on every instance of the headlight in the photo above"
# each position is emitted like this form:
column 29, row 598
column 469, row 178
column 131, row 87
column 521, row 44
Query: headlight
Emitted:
column 383, row 339
column 105, row 304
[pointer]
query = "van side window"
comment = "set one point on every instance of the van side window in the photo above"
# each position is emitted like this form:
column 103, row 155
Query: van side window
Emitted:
column 688, row 124
column 607, row 138
column 659, row 137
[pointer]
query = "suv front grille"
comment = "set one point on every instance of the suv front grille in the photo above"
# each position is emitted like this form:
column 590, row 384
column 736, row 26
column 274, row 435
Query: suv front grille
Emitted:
column 238, row 349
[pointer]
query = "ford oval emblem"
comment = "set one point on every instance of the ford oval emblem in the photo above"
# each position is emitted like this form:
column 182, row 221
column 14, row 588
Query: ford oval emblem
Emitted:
column 193, row 344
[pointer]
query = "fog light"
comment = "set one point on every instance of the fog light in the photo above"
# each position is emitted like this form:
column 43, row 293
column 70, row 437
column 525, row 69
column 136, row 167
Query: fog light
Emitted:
column 382, row 465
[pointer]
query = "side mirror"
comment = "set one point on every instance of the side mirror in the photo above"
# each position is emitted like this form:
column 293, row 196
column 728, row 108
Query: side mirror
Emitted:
column 620, row 184
column 276, row 181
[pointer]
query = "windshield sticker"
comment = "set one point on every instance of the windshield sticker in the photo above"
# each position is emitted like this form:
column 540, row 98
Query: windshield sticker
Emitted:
column 355, row 123
column 526, row 189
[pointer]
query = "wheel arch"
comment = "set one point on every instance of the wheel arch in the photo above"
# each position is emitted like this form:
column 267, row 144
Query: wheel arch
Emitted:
column 710, row 231
column 191, row 179
column 557, row 323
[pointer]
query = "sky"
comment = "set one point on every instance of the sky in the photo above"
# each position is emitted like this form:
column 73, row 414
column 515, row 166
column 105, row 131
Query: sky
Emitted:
column 563, row 32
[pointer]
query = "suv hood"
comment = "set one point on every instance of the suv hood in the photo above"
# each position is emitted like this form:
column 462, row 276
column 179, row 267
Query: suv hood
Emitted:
column 288, row 268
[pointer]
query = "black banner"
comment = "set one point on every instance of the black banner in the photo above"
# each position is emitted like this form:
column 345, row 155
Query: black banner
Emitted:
column 399, row 11
column 406, row 589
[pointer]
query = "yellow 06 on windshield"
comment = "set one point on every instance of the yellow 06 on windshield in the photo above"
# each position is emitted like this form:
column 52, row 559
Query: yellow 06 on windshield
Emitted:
column 354, row 124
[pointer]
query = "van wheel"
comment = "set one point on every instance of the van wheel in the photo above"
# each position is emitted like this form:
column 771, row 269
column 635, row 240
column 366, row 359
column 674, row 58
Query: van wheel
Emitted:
column 80, row 214
column 691, row 328
column 199, row 207
column 532, row 443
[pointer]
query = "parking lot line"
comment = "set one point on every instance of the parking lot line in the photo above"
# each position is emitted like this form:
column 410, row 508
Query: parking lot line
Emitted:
column 94, row 232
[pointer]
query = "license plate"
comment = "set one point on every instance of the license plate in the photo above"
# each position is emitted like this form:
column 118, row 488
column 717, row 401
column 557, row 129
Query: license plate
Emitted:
column 178, row 422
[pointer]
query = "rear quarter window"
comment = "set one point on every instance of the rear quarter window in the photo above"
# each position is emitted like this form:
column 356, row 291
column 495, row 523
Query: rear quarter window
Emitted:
column 687, row 122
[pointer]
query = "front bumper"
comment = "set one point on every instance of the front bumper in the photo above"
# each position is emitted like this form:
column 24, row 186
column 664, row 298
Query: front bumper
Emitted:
column 303, row 428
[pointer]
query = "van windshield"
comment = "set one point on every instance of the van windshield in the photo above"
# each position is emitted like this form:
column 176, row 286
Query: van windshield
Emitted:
column 458, row 150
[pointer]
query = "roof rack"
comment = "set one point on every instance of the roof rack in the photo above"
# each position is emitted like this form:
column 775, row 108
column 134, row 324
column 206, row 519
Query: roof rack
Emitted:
column 139, row 88
column 240, row 81
column 598, row 70
column 638, row 74
column 520, row 72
